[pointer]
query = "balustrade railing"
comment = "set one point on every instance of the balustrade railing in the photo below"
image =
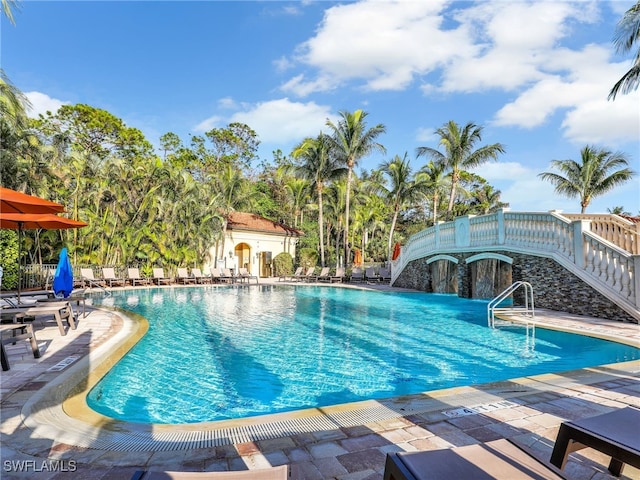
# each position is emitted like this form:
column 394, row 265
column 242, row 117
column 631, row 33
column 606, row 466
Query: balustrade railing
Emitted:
column 604, row 253
column 613, row 228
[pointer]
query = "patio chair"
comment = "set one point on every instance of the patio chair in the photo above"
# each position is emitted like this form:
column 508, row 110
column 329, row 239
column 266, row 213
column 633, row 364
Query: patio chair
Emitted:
column 273, row 473
column 199, row 276
column 498, row 460
column 243, row 274
column 61, row 310
column 216, row 276
column 184, row 277
column 615, row 434
column 356, row 275
column 291, row 278
column 109, row 277
column 159, row 278
column 339, row 276
column 370, row 275
column 226, row 275
column 87, row 279
column 324, row 276
column 384, row 275
column 133, row 275
column 19, row 331
column 310, row 275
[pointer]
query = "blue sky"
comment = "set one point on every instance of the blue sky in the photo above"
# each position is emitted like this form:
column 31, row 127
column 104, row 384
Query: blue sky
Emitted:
column 535, row 75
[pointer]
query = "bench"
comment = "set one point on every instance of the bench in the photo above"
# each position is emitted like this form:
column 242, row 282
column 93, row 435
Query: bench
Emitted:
column 60, row 310
column 26, row 333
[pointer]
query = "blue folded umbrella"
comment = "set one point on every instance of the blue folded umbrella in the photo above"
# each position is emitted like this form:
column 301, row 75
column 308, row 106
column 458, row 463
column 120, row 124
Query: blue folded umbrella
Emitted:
column 63, row 278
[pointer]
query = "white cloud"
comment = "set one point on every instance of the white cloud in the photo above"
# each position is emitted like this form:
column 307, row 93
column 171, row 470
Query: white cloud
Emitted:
column 385, row 44
column 209, row 123
column 276, row 121
column 424, row 134
column 42, row 103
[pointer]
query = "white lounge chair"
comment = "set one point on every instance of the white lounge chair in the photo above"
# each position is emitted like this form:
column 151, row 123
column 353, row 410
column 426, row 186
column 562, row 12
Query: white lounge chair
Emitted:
column 184, row 277
column 109, row 277
column 135, row 278
column 159, row 277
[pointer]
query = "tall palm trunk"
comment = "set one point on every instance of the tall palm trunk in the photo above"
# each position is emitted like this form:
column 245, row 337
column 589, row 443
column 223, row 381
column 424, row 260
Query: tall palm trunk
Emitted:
column 347, row 250
column 320, row 225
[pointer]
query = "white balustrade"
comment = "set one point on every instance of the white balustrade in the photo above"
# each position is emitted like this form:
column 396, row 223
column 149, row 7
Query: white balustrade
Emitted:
column 573, row 240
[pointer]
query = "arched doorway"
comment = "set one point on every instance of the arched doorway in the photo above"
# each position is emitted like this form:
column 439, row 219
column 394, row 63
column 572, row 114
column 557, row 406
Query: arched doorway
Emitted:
column 242, row 251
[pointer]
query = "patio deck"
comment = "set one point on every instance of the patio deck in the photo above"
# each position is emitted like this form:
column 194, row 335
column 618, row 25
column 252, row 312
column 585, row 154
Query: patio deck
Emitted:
column 346, row 442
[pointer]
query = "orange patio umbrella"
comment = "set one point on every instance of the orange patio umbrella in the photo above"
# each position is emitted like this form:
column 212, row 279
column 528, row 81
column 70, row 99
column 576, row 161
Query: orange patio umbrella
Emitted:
column 396, row 251
column 18, row 202
column 357, row 258
column 34, row 221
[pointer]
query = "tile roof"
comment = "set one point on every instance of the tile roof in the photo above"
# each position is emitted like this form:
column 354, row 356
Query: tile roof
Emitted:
column 256, row 223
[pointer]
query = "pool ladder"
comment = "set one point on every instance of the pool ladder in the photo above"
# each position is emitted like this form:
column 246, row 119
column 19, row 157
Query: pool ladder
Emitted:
column 527, row 310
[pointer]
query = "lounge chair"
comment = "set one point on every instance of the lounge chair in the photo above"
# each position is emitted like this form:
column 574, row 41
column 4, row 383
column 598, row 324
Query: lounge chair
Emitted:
column 384, row 275
column 243, row 274
column 274, row 473
column 61, row 310
column 324, row 276
column 159, row 277
column 87, row 279
column 216, row 276
column 339, row 276
column 291, row 278
column 135, row 278
column 19, row 331
column 199, row 276
column 109, row 277
column 370, row 275
column 184, row 277
column 227, row 276
column 356, row 275
column 498, row 460
column 615, row 434
column 310, row 275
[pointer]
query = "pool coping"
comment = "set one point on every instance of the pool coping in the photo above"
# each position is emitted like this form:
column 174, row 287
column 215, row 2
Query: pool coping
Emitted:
column 59, row 410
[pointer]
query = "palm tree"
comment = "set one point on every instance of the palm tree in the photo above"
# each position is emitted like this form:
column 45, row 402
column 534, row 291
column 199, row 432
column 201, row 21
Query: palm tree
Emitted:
column 7, row 5
column 599, row 171
column 459, row 153
column 403, row 189
column 626, row 35
column 318, row 167
column 351, row 141
column 433, row 175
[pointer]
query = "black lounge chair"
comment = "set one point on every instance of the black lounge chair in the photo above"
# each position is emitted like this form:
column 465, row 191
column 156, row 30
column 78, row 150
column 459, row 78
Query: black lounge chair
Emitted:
column 614, row 434
column 496, row 460
column 274, row 473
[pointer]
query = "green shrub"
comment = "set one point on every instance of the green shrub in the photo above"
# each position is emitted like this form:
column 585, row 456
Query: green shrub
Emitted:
column 308, row 257
column 9, row 259
column 282, row 264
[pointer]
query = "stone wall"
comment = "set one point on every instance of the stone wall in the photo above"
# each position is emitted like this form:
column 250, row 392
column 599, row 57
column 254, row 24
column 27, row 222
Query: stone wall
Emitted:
column 554, row 287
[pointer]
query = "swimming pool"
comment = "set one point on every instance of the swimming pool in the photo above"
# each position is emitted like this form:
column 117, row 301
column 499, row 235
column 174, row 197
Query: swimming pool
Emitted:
column 217, row 353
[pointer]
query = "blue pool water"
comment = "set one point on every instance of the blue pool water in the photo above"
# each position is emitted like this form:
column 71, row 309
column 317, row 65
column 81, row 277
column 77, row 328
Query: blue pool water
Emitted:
column 218, row 353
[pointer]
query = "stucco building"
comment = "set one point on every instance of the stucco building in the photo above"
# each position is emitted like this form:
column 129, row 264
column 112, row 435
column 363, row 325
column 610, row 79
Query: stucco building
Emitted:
column 252, row 242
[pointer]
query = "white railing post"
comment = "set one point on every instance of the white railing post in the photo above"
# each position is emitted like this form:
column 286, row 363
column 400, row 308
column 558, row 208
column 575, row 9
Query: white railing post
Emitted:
column 501, row 232
column 579, row 227
column 436, row 233
column 461, row 232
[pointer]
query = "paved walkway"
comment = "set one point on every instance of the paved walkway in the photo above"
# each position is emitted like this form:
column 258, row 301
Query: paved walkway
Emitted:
column 347, row 442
